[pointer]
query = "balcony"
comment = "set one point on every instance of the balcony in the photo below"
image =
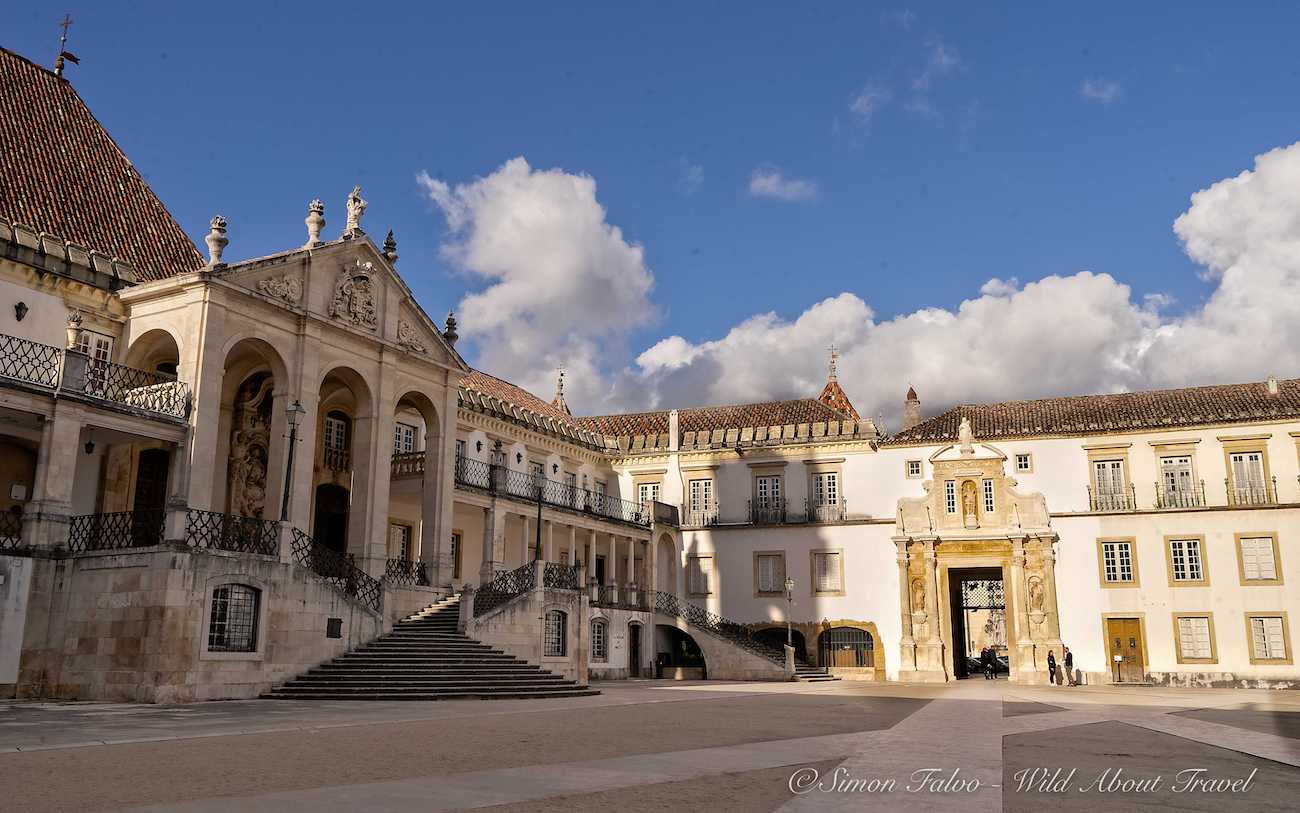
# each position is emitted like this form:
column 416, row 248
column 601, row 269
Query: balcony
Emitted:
column 771, row 512
column 767, row 512
column 502, row 481
column 54, row 369
column 407, row 465
column 700, row 515
column 337, row 460
column 1252, row 493
column 1189, row 496
column 1112, row 500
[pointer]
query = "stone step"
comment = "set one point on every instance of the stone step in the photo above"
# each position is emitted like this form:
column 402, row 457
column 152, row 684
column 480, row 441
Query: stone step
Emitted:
column 344, row 680
column 475, row 694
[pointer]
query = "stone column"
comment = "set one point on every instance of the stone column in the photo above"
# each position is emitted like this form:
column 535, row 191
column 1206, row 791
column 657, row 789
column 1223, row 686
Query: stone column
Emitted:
column 550, row 542
column 494, row 530
column 573, row 545
column 435, row 548
column 907, row 644
column 629, row 576
column 177, row 487
column 202, row 365
column 1052, row 624
column 1026, row 653
column 526, row 538
column 46, row 522
column 611, row 568
column 929, row 654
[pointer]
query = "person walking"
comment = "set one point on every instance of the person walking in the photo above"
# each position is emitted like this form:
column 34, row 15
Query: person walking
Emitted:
column 1051, row 667
column 990, row 663
column 1069, row 666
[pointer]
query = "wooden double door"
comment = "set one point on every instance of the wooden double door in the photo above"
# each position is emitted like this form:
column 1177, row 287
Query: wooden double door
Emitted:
column 1124, row 644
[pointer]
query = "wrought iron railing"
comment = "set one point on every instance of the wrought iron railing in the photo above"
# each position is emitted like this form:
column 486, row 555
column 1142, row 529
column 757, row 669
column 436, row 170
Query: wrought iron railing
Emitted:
column 1112, row 500
column 11, row 530
column 619, row 597
column 30, row 362
column 115, row 531
column 696, row 616
column 836, row 511
column 557, row 576
column 498, row 479
column 210, row 529
column 339, row 570
column 1191, row 496
column 337, row 459
column 1251, row 493
column 700, row 515
column 50, row 367
column 407, row 464
column 504, row 588
column 767, row 512
column 407, row 573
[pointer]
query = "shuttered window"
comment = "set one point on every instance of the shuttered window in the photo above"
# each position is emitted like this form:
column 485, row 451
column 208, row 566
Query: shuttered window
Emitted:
column 1194, row 637
column 1266, row 637
column 1257, row 560
column 701, row 574
column 827, row 572
column 771, row 572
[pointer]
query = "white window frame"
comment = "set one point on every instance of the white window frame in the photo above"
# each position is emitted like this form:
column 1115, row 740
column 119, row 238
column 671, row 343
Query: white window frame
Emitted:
column 833, row 584
column 648, row 492
column 1267, row 637
column 336, row 433
column 775, row 585
column 1117, row 558
column 826, row 489
column 599, row 640
column 1024, row 462
column 950, row 496
column 914, row 469
column 400, row 537
column 989, row 503
column 767, row 490
column 1186, row 559
column 1257, row 552
column 404, row 435
column 1195, row 638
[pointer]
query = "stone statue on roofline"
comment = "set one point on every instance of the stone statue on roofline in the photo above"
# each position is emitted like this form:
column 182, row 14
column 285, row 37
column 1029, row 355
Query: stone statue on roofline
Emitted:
column 356, row 208
column 965, row 437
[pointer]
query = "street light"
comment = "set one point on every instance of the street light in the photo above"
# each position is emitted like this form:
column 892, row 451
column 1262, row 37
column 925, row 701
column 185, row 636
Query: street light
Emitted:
column 294, row 413
column 789, row 600
column 539, row 481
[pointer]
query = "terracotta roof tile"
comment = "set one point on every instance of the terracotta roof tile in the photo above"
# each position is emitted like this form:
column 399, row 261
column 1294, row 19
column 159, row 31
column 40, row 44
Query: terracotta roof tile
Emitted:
column 737, row 416
column 500, row 388
column 1094, row 414
column 62, row 173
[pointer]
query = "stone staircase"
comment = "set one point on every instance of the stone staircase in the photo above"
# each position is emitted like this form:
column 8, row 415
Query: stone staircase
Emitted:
column 426, row 657
column 811, row 674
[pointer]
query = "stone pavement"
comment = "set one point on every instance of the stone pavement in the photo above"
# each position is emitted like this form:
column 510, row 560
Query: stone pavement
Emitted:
column 846, row 746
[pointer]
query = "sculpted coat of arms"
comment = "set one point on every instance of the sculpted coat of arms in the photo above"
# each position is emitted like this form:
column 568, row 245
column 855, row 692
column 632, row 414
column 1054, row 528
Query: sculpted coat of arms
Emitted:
column 354, row 295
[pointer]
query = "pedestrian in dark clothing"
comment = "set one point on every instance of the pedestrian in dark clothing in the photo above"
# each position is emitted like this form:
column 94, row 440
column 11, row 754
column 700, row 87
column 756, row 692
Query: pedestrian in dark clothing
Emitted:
column 1051, row 667
column 1069, row 667
column 990, row 663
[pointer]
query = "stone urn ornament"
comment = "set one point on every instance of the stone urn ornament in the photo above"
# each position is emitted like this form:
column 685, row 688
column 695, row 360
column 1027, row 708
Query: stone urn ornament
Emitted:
column 217, row 241
column 315, row 221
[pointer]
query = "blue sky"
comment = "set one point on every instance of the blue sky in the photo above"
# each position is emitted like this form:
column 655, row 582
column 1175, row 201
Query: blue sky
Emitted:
column 941, row 145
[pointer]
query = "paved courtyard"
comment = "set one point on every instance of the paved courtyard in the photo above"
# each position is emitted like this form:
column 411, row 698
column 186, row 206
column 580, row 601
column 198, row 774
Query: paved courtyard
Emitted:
column 649, row 745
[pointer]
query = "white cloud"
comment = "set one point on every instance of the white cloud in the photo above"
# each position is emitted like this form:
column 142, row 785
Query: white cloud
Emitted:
column 1100, row 91
column 691, row 178
column 941, row 60
column 770, row 183
column 868, row 101
column 560, row 285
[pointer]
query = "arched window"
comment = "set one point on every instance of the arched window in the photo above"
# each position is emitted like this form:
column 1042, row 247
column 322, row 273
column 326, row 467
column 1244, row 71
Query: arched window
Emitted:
column 556, row 627
column 845, row 646
column 599, row 639
column 232, row 626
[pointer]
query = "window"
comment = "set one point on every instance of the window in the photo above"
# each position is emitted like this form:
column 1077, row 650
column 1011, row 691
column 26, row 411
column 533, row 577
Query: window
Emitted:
column 1267, row 637
column 914, row 468
column 1117, row 563
column 1194, row 638
column 700, row 575
column 599, row 639
column 648, row 492
column 1111, row 488
column 555, row 640
column 827, row 573
column 1186, row 560
column 988, row 497
column 950, row 496
column 1248, row 481
column 535, row 470
column 599, row 487
column 769, row 573
column 701, row 492
column 404, row 439
column 233, row 624
column 456, row 546
column 1258, row 558
column 1024, row 462
column 399, row 541
column 336, row 431
column 767, row 490
column 96, row 345
column 460, row 448
column 1176, row 481
column 826, row 488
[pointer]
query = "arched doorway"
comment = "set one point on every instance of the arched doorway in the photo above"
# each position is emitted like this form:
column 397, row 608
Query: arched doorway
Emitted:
column 156, row 351
column 677, row 655
column 331, row 525
column 633, row 649
column 776, row 637
column 846, row 648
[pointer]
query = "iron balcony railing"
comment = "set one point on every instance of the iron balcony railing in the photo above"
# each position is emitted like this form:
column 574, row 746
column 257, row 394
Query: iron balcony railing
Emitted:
column 407, row 464
column 54, row 368
column 826, row 512
column 1112, row 500
column 339, row 460
column 767, row 512
column 115, row 531
column 406, row 573
column 499, row 479
column 11, row 530
column 1189, row 496
column 504, row 588
column 559, row 576
column 217, row 531
column 696, row 616
column 1251, row 493
column 339, row 570
column 700, row 515
column 618, row 597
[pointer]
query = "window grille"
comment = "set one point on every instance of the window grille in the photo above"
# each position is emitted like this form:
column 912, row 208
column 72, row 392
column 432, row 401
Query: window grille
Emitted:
column 599, row 639
column 914, row 468
column 1024, row 462
column 233, row 624
column 555, row 634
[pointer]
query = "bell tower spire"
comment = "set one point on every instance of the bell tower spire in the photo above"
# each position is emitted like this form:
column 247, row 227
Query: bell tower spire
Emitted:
column 559, row 402
column 833, row 394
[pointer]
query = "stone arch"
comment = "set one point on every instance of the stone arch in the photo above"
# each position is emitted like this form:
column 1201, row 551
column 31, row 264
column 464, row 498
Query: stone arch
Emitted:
column 776, row 636
column 156, row 350
column 666, row 564
column 723, row 659
column 877, row 669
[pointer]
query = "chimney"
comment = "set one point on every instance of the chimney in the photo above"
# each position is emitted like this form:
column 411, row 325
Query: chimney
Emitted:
column 1272, row 385
column 911, row 410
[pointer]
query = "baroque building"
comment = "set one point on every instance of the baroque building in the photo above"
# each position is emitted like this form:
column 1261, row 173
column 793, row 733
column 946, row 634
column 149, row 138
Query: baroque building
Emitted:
column 277, row 475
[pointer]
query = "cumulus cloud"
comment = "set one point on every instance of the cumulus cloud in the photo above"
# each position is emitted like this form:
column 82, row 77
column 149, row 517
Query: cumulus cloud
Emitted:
column 770, row 183
column 1100, row 91
column 555, row 283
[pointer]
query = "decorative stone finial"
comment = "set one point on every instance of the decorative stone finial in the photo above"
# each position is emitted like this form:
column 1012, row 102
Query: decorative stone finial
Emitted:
column 74, row 327
column 450, row 333
column 217, row 241
column 1272, row 385
column 390, row 249
column 315, row 222
column 356, row 208
column 559, row 402
column 835, row 357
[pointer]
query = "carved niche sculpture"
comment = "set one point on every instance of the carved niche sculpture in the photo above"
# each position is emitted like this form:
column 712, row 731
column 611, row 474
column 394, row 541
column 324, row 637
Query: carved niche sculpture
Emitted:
column 408, row 337
column 918, row 596
column 969, row 505
column 288, row 288
column 354, row 295
column 250, row 439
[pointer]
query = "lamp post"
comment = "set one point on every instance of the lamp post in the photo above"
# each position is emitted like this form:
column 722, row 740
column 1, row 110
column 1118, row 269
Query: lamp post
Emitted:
column 789, row 601
column 294, row 413
column 539, row 480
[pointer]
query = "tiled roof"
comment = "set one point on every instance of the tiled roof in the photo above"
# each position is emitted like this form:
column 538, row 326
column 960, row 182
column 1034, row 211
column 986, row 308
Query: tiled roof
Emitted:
column 834, row 396
column 738, row 416
column 62, row 173
column 1094, row 414
column 504, row 390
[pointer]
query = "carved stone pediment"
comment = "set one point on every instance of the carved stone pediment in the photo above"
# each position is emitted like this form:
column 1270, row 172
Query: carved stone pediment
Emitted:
column 287, row 288
column 409, row 337
column 354, row 295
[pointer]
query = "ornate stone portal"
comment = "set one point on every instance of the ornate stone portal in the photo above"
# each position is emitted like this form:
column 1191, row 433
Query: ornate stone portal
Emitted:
column 972, row 524
column 250, row 442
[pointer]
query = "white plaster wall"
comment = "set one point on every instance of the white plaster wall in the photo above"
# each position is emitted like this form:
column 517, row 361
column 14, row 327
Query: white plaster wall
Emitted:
column 47, row 316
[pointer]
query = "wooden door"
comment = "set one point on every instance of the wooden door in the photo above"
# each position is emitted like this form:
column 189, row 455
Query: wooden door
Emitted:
column 1125, row 644
column 150, row 497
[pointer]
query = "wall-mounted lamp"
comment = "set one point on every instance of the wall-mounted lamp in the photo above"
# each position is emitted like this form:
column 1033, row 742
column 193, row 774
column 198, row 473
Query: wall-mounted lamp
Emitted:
column 90, row 444
column 20, row 310
column 519, row 457
column 478, row 445
column 555, row 467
